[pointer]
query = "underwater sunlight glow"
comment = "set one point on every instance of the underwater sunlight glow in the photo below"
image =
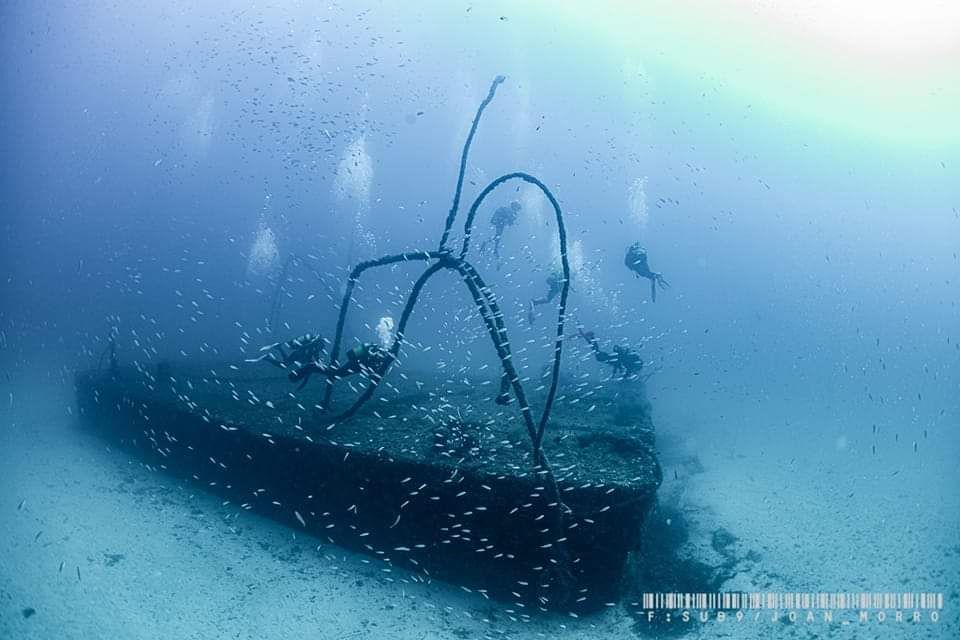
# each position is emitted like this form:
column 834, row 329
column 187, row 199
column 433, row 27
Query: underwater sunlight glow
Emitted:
column 882, row 70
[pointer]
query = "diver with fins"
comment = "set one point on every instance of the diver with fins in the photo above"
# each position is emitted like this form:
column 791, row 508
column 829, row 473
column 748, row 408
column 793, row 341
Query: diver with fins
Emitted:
column 501, row 219
column 636, row 261
column 302, row 356
column 554, row 286
column 625, row 362
column 367, row 358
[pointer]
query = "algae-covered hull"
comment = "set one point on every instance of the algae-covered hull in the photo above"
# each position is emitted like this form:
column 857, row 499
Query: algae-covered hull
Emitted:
column 435, row 481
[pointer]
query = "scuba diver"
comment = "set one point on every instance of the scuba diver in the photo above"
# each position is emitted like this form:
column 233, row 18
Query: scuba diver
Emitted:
column 304, row 359
column 110, row 352
column 625, row 362
column 501, row 219
column 636, row 261
column 306, row 348
column 367, row 359
column 555, row 285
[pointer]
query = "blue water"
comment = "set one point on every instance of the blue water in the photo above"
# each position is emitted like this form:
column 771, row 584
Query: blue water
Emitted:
column 161, row 164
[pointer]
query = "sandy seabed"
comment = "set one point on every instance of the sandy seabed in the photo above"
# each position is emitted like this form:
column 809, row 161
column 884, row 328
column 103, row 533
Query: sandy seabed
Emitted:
column 96, row 545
